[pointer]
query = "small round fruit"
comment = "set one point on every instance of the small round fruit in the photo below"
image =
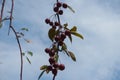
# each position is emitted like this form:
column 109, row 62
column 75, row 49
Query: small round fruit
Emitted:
column 54, row 27
column 49, row 68
column 61, row 67
column 63, row 36
column 54, row 71
column 57, row 38
column 52, row 53
column 51, row 60
column 65, row 5
column 55, row 65
column 60, row 12
column 67, row 32
column 60, row 43
column 56, row 24
column 56, row 9
column 47, row 21
column 59, row 4
column 47, row 50
column 51, row 23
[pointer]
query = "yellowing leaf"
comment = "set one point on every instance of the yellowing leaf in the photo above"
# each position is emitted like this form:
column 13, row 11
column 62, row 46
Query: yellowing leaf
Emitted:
column 72, row 55
column 56, row 57
column 77, row 34
column 47, row 71
column 65, row 25
column 74, row 28
column 51, row 34
column 64, row 47
column 44, row 67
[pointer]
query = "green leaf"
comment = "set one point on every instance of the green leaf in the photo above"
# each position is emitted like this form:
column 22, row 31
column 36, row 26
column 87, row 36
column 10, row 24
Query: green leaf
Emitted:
column 30, row 53
column 64, row 47
column 65, row 25
column 28, row 59
column 0, row 24
column 24, row 29
column 77, row 34
column 23, row 54
column 47, row 71
column 44, row 67
column 56, row 57
column 72, row 55
column 70, row 38
column 41, row 75
column 51, row 34
column 71, row 9
column 74, row 28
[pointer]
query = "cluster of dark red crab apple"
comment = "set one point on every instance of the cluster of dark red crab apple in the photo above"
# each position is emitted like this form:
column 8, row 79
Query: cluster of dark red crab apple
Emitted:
column 54, row 66
column 58, row 39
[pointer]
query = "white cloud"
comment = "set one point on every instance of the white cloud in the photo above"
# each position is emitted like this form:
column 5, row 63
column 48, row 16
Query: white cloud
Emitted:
column 97, row 54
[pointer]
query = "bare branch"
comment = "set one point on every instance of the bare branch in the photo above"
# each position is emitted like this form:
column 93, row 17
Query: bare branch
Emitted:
column 2, row 9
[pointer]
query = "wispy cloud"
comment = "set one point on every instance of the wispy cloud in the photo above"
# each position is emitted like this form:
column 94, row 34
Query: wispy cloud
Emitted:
column 97, row 55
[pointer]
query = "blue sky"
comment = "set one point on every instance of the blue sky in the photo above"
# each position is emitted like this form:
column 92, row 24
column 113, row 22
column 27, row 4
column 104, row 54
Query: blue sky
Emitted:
column 98, row 55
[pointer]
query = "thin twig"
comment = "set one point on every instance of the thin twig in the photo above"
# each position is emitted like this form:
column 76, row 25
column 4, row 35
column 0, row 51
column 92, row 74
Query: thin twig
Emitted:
column 54, row 77
column 58, row 16
column 17, row 38
column 11, row 16
column 20, row 48
column 2, row 9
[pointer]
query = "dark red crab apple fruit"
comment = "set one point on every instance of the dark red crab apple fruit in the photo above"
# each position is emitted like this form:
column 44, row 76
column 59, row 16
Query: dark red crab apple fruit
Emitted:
column 57, row 38
column 60, row 12
column 56, row 9
column 52, row 53
column 51, row 23
column 56, row 24
column 47, row 21
column 54, row 71
column 51, row 60
column 55, row 65
column 63, row 36
column 61, row 67
column 47, row 50
column 65, row 5
column 59, row 4
column 60, row 43
column 67, row 32
column 49, row 68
